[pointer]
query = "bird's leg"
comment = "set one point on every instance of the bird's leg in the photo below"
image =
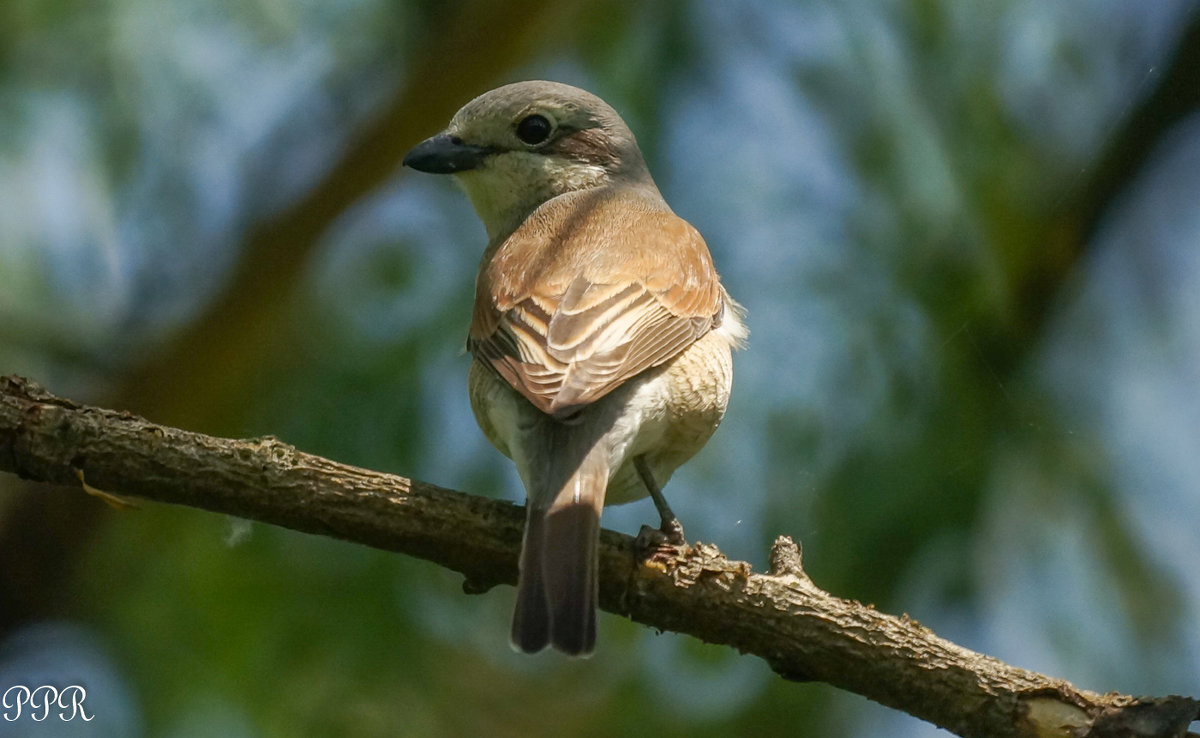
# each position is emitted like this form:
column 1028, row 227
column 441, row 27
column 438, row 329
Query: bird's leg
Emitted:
column 671, row 530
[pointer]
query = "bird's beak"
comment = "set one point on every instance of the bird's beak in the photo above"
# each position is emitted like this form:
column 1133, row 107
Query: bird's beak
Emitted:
column 445, row 154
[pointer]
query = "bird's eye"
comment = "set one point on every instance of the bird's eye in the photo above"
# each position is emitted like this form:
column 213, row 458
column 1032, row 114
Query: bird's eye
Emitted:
column 534, row 129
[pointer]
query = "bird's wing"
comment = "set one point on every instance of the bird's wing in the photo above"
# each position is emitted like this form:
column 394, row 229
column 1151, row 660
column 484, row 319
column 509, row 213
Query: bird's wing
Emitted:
column 592, row 289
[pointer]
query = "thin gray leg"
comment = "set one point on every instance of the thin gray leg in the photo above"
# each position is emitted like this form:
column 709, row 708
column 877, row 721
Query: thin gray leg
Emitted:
column 671, row 528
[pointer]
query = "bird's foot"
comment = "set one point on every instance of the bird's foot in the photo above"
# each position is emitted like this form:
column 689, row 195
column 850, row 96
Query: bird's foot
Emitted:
column 661, row 544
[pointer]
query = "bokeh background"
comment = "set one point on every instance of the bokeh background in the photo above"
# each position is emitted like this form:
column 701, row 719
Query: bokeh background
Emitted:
column 967, row 233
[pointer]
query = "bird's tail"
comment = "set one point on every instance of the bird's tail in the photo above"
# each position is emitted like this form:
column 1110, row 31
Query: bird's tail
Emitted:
column 557, row 587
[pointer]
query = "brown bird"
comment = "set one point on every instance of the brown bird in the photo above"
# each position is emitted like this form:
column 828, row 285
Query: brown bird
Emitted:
column 601, row 333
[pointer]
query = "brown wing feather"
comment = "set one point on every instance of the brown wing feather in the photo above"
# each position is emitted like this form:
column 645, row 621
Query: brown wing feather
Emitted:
column 593, row 289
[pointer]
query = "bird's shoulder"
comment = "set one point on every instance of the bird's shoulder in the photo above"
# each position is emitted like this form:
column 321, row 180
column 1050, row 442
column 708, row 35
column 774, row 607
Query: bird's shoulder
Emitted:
column 591, row 290
column 605, row 236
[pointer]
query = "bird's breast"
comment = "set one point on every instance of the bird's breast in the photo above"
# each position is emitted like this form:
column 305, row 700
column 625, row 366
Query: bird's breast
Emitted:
column 666, row 413
column 679, row 405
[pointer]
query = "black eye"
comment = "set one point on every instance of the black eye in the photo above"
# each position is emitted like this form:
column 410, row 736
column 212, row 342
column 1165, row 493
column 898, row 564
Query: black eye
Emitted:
column 534, row 129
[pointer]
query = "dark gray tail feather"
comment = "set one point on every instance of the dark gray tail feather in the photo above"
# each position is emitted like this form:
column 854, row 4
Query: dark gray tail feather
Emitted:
column 531, row 617
column 569, row 568
column 558, row 586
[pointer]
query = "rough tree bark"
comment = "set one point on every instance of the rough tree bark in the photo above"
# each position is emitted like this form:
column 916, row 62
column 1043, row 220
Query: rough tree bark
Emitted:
column 803, row 632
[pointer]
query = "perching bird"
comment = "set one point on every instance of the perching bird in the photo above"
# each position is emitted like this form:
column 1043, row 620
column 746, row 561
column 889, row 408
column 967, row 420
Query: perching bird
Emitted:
column 601, row 333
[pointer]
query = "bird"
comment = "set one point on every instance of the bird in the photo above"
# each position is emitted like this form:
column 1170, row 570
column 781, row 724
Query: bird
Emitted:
column 601, row 336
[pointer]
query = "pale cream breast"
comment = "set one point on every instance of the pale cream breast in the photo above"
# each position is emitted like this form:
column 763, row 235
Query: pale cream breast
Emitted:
column 666, row 413
column 695, row 391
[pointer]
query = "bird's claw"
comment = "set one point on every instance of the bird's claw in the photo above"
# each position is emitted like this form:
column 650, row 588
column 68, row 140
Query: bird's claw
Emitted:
column 661, row 544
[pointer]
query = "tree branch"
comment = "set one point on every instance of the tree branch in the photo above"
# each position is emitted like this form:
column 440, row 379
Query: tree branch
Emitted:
column 803, row 632
column 464, row 49
column 468, row 49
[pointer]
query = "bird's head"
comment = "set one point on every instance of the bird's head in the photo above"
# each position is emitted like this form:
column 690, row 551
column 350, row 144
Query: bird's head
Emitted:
column 520, row 145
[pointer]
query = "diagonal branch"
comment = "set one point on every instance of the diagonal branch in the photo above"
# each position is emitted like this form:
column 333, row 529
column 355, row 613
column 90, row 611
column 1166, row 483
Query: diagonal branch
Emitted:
column 475, row 42
column 461, row 50
column 803, row 632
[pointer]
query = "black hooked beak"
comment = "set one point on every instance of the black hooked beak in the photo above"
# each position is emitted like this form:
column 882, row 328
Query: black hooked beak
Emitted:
column 445, row 154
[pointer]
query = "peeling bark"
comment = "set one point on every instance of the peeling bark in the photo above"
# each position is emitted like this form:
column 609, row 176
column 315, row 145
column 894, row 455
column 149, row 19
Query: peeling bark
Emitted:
column 781, row 616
